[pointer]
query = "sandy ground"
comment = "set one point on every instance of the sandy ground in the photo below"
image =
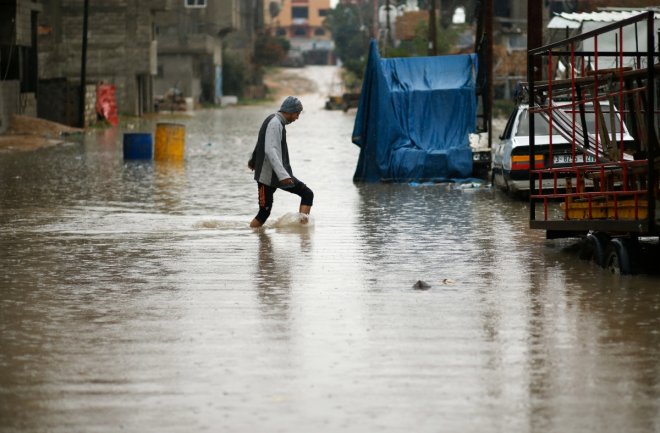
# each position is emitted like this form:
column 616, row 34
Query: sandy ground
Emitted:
column 29, row 133
column 283, row 82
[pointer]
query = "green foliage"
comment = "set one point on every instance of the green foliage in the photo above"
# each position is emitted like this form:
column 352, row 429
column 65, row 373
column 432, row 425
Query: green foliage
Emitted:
column 352, row 82
column 234, row 73
column 418, row 46
column 270, row 50
column 502, row 108
column 350, row 25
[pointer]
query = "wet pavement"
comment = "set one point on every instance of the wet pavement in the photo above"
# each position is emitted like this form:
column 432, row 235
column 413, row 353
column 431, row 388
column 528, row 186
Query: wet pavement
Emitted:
column 134, row 297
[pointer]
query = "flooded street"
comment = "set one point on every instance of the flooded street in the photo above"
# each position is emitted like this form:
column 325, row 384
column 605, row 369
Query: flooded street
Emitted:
column 134, row 297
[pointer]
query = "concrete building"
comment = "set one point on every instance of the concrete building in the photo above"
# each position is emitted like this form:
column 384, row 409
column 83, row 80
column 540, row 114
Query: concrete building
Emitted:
column 301, row 22
column 41, row 53
column 18, row 59
column 239, row 44
column 121, row 51
column 190, row 39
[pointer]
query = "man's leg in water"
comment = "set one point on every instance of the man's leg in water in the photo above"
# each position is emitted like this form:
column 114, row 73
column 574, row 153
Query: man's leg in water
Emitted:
column 306, row 198
column 265, row 205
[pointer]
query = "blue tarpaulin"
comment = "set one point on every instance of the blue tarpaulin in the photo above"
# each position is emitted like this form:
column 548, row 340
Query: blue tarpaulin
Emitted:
column 414, row 118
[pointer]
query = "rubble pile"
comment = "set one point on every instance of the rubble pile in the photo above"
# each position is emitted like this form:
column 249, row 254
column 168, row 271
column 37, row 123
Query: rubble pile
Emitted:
column 27, row 133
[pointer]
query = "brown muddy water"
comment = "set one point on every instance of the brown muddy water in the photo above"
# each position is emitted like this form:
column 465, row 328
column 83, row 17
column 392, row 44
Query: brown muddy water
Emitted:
column 134, row 297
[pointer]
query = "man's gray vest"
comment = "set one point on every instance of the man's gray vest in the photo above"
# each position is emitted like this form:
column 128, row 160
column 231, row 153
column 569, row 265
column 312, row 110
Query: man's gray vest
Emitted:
column 259, row 153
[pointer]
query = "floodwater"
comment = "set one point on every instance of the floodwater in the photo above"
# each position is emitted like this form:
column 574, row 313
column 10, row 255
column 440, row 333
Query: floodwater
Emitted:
column 134, row 297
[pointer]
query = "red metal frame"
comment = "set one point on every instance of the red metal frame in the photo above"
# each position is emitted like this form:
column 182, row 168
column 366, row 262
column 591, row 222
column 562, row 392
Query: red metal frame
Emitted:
column 619, row 180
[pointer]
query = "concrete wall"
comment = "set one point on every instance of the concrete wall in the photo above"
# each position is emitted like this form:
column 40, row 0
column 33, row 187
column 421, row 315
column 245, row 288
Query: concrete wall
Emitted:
column 12, row 101
column 190, row 48
column 119, row 40
column 15, row 23
column 58, row 101
column 10, row 92
column 177, row 71
column 24, row 23
column 17, row 59
column 90, row 104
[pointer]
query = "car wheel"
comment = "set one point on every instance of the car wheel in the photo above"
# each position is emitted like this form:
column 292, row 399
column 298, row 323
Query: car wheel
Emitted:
column 621, row 257
column 594, row 248
column 615, row 263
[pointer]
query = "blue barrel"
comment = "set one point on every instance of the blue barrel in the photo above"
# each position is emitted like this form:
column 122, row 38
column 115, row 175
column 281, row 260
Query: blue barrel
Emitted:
column 138, row 145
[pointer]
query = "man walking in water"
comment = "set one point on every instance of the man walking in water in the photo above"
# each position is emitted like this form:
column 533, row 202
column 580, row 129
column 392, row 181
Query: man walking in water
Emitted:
column 270, row 162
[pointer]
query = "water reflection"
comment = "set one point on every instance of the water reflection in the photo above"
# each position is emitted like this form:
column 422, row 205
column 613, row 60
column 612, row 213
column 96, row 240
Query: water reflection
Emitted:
column 170, row 185
column 273, row 279
column 134, row 294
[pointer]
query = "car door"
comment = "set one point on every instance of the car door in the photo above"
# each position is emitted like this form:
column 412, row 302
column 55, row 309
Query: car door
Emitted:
column 503, row 147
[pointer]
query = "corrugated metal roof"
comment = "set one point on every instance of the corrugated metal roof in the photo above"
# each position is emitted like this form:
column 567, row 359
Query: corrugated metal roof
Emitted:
column 559, row 22
column 575, row 19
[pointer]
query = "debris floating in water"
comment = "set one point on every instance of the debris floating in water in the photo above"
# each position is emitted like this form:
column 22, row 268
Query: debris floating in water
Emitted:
column 421, row 285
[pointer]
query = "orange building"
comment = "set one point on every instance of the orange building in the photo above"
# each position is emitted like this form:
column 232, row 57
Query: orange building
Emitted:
column 301, row 21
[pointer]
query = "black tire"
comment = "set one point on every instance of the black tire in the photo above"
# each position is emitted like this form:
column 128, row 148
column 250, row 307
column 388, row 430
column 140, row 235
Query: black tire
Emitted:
column 616, row 259
column 594, row 248
column 622, row 256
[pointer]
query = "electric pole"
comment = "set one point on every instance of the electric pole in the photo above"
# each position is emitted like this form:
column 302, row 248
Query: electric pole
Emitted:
column 433, row 43
column 83, row 66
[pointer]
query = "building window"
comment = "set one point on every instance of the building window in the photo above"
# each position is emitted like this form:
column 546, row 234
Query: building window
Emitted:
column 300, row 31
column 280, row 32
column 195, row 3
column 298, row 12
column 319, row 32
column 323, row 12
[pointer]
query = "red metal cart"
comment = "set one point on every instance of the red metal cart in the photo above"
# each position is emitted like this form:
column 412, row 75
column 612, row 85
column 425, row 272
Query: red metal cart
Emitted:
column 606, row 190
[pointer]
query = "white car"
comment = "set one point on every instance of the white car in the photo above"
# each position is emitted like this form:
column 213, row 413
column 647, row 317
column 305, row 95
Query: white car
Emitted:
column 510, row 160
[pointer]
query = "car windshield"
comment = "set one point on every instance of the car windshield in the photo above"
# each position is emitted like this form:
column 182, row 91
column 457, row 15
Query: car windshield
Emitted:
column 590, row 117
column 541, row 126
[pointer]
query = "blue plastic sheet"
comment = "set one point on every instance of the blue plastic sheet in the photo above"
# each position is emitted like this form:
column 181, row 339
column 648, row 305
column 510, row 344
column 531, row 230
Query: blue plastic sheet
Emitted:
column 414, row 117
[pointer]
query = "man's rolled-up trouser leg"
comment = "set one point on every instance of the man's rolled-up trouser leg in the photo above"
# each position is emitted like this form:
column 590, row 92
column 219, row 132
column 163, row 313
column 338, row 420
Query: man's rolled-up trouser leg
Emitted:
column 300, row 189
column 265, row 202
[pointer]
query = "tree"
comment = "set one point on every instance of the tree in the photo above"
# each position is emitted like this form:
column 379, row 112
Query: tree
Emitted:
column 350, row 26
column 270, row 50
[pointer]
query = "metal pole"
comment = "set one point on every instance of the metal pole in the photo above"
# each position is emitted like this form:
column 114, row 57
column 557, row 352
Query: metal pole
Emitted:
column 534, row 72
column 83, row 67
column 532, row 192
column 488, row 100
column 652, row 145
column 535, row 33
column 433, row 47
column 387, row 20
column 375, row 18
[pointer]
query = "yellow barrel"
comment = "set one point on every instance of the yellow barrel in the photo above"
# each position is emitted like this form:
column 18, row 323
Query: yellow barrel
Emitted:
column 170, row 142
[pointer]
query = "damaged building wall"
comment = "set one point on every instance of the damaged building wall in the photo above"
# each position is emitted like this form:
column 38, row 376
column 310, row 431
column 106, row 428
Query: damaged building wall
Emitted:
column 120, row 45
column 18, row 59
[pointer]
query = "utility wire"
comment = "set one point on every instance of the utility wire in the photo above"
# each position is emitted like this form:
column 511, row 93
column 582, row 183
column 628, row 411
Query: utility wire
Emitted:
column 11, row 48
